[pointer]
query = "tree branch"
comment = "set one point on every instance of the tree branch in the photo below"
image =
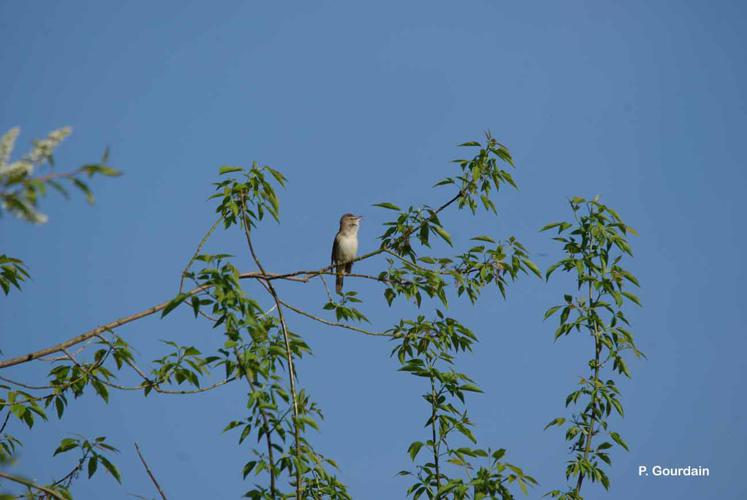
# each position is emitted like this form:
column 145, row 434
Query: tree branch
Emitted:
column 294, row 276
column 31, row 484
column 150, row 473
column 300, row 276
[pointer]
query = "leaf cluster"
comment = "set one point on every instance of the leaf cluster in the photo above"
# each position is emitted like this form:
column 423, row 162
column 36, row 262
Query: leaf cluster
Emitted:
column 594, row 244
column 21, row 186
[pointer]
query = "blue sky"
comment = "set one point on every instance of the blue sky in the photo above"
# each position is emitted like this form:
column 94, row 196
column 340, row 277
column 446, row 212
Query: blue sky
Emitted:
column 642, row 103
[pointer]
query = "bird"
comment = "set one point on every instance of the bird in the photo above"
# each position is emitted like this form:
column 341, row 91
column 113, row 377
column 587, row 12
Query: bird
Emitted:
column 345, row 247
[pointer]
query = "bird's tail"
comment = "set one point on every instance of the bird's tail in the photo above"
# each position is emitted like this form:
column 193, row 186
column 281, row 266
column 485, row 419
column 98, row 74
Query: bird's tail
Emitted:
column 338, row 281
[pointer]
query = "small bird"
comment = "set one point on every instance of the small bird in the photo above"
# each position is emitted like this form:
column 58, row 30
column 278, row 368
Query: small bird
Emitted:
column 345, row 247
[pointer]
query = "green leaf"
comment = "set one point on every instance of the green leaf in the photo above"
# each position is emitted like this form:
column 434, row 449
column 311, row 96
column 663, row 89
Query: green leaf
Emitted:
column 248, row 467
column 443, row 234
column 387, row 205
column 232, row 425
column 555, row 421
column 92, row 463
column 174, row 303
column 551, row 311
column 550, row 226
column 632, row 297
column 414, row 449
column 616, row 437
column 444, row 182
column 531, row 265
column 280, row 178
column 66, row 444
column 551, row 269
column 111, row 468
column 228, row 169
column 471, row 388
column 86, row 190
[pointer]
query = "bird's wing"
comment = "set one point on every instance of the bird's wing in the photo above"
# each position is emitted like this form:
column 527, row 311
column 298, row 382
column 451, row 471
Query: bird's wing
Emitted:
column 335, row 250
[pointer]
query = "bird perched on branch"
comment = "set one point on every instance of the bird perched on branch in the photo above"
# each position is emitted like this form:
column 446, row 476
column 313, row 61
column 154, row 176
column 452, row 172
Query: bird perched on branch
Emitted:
column 345, row 247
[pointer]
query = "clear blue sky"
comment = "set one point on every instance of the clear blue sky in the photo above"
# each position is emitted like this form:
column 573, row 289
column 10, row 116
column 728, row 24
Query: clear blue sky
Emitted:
column 641, row 102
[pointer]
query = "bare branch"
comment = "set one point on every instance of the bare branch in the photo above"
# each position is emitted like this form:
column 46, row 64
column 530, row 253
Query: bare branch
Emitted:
column 150, row 473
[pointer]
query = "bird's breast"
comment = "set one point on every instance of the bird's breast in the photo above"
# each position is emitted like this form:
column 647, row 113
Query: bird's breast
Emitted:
column 347, row 247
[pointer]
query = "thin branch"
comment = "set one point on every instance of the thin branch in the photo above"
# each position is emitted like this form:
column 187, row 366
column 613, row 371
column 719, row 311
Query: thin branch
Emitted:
column 455, row 198
column 289, row 357
column 265, row 421
column 26, row 386
column 63, row 358
column 59, row 175
column 197, row 252
column 90, row 333
column 334, row 323
column 152, row 310
column 156, row 384
column 73, row 474
column 595, row 380
column 5, row 422
column 31, row 484
column 157, row 388
column 150, row 473
column 326, row 288
column 436, row 442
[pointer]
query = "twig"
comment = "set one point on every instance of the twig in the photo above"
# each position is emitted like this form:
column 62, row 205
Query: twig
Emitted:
column 333, row 323
column 26, row 386
column 73, row 474
column 5, row 422
column 62, row 358
column 326, row 289
column 59, row 175
column 197, row 252
column 150, row 473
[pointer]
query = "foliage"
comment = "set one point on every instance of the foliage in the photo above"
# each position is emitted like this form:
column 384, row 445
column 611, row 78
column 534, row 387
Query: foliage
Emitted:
column 594, row 245
column 424, row 268
column 427, row 348
column 22, row 186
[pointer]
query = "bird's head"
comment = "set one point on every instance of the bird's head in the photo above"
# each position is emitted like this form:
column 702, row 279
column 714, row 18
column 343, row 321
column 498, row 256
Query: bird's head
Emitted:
column 350, row 222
